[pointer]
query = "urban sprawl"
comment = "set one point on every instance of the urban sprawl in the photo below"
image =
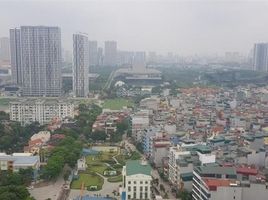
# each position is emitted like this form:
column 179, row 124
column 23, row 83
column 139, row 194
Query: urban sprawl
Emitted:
column 108, row 124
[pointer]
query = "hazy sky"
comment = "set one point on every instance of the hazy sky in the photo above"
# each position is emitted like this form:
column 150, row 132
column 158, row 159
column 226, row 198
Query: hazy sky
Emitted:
column 184, row 27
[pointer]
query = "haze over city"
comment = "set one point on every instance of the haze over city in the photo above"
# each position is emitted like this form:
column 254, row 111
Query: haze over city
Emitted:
column 133, row 100
column 183, row 27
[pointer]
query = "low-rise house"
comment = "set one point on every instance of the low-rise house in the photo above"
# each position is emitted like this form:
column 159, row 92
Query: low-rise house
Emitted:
column 81, row 164
column 18, row 161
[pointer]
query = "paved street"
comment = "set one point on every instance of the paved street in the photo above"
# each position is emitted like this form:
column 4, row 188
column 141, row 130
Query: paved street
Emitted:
column 165, row 184
column 51, row 191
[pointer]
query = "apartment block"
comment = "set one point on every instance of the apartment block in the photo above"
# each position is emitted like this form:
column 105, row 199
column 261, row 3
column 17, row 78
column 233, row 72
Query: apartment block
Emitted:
column 27, row 111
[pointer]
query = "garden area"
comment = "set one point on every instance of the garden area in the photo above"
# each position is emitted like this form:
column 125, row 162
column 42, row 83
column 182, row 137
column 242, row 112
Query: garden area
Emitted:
column 104, row 165
column 89, row 180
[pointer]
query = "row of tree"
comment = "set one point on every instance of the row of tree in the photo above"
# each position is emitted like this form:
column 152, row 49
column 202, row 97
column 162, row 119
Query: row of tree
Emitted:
column 66, row 153
column 13, row 185
column 13, row 136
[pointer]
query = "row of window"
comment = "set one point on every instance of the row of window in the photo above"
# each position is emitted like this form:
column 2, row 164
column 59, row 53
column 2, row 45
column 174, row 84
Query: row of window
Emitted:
column 135, row 182
column 135, row 188
column 145, row 196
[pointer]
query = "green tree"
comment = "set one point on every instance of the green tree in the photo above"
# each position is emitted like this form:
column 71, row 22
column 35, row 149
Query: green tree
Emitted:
column 26, row 175
column 98, row 136
column 14, row 192
column 4, row 116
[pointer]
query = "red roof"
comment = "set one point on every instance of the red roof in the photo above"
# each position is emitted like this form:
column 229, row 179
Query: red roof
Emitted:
column 246, row 171
column 161, row 145
column 58, row 136
column 212, row 184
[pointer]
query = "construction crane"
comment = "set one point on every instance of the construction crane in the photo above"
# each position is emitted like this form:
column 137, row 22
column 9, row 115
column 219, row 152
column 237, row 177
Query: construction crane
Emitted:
column 82, row 190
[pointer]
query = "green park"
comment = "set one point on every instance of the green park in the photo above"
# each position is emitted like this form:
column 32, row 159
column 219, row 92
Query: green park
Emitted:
column 98, row 168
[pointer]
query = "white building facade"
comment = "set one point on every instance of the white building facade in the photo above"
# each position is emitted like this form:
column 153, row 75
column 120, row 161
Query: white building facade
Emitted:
column 42, row 111
column 137, row 180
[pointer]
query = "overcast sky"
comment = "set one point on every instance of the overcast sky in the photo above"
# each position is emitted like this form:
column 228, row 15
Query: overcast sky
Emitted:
column 185, row 27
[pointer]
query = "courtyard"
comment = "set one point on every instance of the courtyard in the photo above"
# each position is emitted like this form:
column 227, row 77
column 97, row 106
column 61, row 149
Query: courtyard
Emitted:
column 100, row 168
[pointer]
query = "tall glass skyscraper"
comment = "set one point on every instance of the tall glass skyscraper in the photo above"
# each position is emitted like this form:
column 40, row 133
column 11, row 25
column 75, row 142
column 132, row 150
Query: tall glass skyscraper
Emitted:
column 80, row 65
column 93, row 53
column 36, row 60
column 110, row 53
column 260, row 57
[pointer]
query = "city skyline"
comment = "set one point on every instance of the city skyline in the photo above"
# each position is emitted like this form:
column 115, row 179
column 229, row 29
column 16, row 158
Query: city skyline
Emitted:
column 186, row 28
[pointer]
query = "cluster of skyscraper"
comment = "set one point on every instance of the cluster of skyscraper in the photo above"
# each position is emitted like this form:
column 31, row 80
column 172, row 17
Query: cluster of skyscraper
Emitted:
column 260, row 57
column 36, row 60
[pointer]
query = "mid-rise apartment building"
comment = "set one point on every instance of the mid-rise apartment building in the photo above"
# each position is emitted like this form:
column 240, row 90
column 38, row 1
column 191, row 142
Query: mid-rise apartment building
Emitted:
column 140, row 122
column 43, row 111
column 183, row 159
column 225, row 183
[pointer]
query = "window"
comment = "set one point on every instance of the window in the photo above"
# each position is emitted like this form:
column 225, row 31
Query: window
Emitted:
column 146, row 188
column 145, row 195
column 135, row 188
column 146, row 182
column 140, row 195
column 134, row 182
column 129, row 188
column 129, row 182
column 128, row 196
column 134, row 195
column 141, row 188
column 141, row 182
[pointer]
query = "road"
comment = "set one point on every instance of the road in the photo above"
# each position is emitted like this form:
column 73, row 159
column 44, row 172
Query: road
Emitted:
column 109, row 81
column 155, row 174
column 51, row 191
column 166, row 185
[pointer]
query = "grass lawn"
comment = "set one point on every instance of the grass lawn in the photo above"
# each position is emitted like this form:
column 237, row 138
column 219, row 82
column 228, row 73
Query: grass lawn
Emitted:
column 4, row 101
column 86, row 101
column 121, row 159
column 97, row 167
column 116, row 104
column 89, row 180
column 115, row 179
column 97, row 163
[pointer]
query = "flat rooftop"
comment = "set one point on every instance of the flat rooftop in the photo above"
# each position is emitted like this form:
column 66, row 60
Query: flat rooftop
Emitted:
column 135, row 167
column 206, row 170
